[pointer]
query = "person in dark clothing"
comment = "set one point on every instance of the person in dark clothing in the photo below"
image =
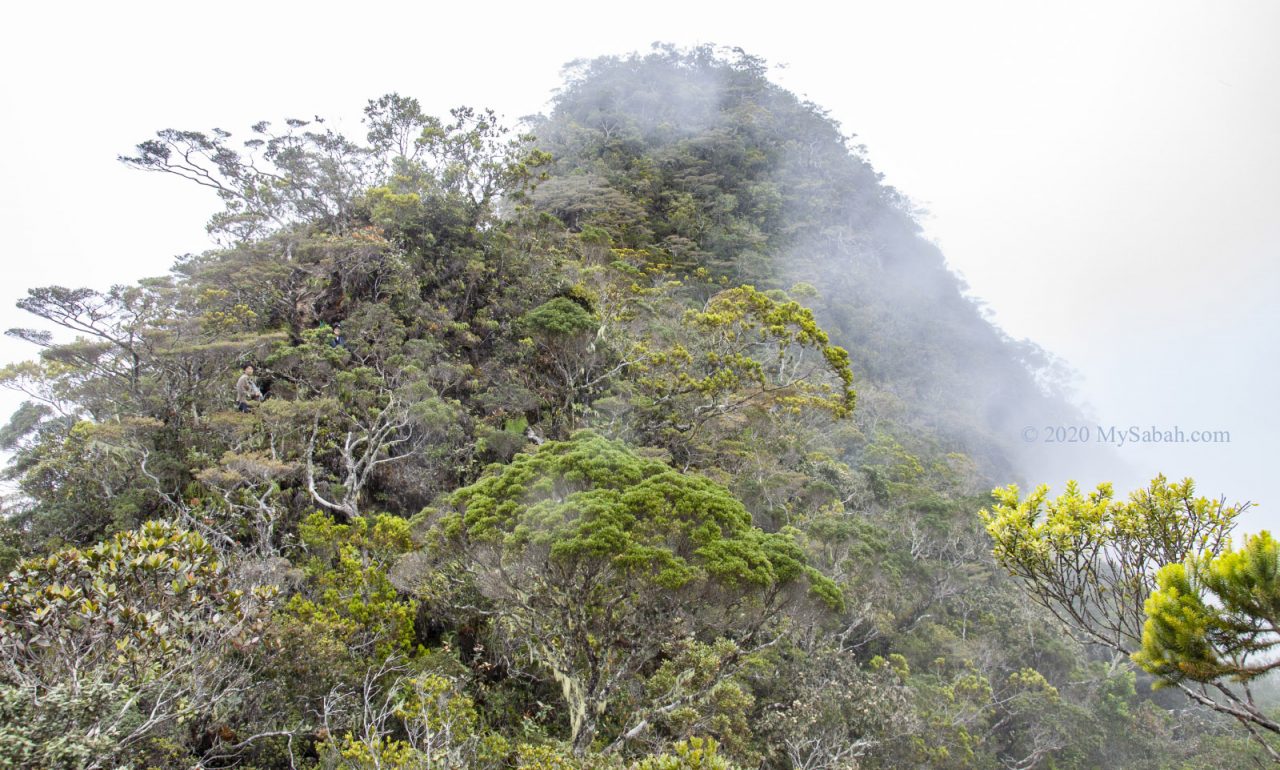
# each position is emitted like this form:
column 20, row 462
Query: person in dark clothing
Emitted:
column 246, row 389
column 337, row 341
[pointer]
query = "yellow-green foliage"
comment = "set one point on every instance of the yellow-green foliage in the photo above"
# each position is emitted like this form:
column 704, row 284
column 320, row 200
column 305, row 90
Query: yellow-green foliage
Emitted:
column 550, row 757
column 1164, row 517
column 1213, row 615
column 440, row 730
column 724, row 704
column 693, row 754
column 348, row 596
column 1090, row 559
column 748, row 347
column 353, row 753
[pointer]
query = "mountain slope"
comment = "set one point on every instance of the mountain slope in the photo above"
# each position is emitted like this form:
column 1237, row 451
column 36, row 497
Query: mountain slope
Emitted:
column 652, row 440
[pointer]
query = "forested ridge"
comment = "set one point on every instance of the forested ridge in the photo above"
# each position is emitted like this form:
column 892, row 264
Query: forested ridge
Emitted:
column 657, row 437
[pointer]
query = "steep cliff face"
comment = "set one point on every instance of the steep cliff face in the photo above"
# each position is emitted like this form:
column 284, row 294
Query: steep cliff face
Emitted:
column 701, row 161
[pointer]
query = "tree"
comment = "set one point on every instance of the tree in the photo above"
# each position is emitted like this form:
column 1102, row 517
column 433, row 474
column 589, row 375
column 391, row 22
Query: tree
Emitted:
column 349, row 661
column 742, row 352
column 564, row 334
column 128, row 638
column 594, row 562
column 836, row 709
column 440, row 725
column 1093, row 561
column 614, row 595
column 278, row 180
column 1214, row 618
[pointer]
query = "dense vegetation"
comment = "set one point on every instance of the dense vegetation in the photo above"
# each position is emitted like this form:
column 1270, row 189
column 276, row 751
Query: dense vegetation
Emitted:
column 653, row 439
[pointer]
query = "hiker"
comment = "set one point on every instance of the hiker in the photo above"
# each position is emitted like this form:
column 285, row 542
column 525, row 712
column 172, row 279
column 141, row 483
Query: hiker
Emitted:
column 337, row 341
column 246, row 389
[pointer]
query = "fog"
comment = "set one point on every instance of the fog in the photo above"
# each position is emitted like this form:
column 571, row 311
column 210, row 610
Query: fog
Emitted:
column 1106, row 180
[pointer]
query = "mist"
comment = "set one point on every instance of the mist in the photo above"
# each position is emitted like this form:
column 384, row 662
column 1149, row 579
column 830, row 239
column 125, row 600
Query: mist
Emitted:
column 662, row 434
column 1102, row 178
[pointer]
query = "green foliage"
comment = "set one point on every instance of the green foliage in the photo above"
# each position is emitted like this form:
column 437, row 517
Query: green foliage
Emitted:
column 595, row 559
column 703, row 376
column 692, row 754
column 63, row 729
column 590, row 499
column 708, row 681
column 347, row 636
column 744, row 350
column 694, row 159
column 1214, row 616
column 126, row 605
column 118, row 645
column 743, row 318
column 837, row 709
column 69, row 470
column 551, row 757
column 731, row 567
column 353, row 753
column 563, row 333
column 559, row 317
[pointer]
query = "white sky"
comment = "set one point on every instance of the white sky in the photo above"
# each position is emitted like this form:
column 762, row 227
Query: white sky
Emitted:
column 1106, row 175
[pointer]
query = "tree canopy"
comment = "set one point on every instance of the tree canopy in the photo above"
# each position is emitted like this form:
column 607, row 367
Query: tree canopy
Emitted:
column 651, row 439
column 596, row 562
